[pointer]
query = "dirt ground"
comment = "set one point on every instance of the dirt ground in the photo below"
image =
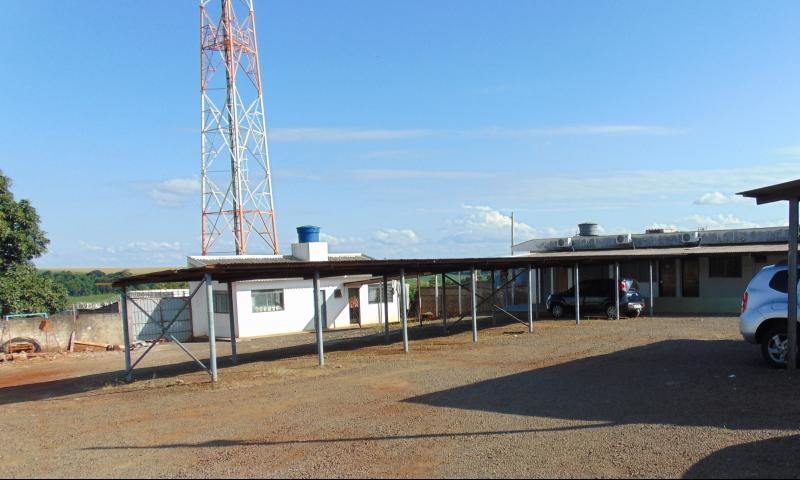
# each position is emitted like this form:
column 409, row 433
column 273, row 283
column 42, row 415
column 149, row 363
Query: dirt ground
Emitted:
column 664, row 397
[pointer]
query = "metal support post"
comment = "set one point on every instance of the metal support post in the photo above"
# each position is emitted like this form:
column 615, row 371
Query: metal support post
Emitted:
column 494, row 299
column 444, row 298
column 531, row 300
column 436, row 296
column 474, row 306
column 126, row 333
column 616, row 295
column 403, row 311
column 232, row 317
column 318, row 322
column 386, row 307
column 652, row 289
column 577, row 294
column 419, row 300
column 538, row 291
column 212, row 335
column 460, row 282
column 791, row 360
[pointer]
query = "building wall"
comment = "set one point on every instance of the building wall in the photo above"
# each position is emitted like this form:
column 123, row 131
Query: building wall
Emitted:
column 95, row 327
column 298, row 312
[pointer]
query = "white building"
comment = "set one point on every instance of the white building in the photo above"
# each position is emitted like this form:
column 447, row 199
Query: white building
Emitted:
column 281, row 306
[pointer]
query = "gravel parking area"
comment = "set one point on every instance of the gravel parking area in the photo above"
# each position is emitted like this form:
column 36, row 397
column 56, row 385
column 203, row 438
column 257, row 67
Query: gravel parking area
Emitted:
column 664, row 397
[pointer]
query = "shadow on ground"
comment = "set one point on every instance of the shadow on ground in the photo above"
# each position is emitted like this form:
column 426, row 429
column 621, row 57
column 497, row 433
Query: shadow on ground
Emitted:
column 87, row 383
column 772, row 458
column 676, row 382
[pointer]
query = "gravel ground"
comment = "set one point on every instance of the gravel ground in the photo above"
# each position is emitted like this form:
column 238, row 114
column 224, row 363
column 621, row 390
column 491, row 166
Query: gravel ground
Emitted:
column 667, row 397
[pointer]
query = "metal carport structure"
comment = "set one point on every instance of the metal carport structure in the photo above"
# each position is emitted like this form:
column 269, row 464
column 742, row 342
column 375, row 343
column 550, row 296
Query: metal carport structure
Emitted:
column 790, row 192
column 530, row 264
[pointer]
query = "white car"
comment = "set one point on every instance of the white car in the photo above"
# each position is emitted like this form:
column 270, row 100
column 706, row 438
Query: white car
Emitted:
column 765, row 308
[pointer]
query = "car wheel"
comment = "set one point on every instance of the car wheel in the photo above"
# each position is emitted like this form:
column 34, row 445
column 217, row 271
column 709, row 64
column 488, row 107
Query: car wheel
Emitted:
column 775, row 346
column 557, row 311
column 611, row 312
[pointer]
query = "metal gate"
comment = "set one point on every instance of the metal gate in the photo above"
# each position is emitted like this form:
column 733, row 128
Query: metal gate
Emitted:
column 152, row 310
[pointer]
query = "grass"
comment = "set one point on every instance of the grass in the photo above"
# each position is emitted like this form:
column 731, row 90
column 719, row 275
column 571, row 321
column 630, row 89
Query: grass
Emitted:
column 97, row 298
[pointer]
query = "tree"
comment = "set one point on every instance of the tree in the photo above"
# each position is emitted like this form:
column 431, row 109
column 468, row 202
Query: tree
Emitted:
column 22, row 290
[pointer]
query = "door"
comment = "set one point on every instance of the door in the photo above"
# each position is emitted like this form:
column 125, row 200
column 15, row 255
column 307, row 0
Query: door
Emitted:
column 354, row 301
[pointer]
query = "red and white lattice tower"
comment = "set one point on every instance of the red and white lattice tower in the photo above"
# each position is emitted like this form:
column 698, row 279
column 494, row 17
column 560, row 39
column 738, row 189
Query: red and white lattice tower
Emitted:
column 236, row 182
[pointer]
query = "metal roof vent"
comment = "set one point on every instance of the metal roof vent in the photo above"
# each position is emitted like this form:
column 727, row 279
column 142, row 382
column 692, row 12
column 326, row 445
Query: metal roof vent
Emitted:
column 589, row 229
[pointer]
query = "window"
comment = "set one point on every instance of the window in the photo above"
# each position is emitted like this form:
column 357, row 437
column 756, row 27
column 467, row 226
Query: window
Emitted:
column 725, row 267
column 221, row 302
column 690, row 276
column 780, row 281
column 374, row 293
column 267, row 300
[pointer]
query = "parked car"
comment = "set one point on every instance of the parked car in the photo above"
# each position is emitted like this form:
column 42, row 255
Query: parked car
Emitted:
column 765, row 309
column 598, row 296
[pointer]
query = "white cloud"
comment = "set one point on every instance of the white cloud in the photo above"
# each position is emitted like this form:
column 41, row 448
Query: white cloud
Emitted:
column 788, row 151
column 337, row 243
column 134, row 247
column 716, row 198
column 721, row 222
column 175, row 192
column 393, row 236
column 343, row 134
column 574, row 131
column 488, row 226
column 323, row 134
column 420, row 174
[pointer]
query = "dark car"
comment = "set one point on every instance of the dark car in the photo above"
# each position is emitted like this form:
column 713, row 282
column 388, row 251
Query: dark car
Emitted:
column 598, row 296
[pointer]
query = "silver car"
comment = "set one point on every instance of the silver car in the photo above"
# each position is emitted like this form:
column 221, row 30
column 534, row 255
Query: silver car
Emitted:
column 765, row 308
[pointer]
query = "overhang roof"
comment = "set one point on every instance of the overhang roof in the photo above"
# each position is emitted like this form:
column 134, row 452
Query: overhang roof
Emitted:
column 774, row 193
column 242, row 272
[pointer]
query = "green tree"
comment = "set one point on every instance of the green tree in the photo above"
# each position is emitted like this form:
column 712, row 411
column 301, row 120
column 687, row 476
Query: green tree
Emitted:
column 22, row 289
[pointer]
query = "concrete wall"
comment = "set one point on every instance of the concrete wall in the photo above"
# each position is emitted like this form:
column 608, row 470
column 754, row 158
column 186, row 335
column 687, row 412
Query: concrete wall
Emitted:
column 97, row 327
column 298, row 312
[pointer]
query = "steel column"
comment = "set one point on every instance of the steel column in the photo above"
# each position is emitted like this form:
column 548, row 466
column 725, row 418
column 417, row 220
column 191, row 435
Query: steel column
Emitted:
column 386, row 307
column 436, row 296
column 652, row 289
column 494, row 298
column 318, row 322
column 531, row 301
column 419, row 300
column 232, row 317
column 577, row 294
column 460, row 281
column 538, row 291
column 444, row 298
column 616, row 295
column 403, row 311
column 791, row 326
column 212, row 334
column 474, row 306
column 126, row 334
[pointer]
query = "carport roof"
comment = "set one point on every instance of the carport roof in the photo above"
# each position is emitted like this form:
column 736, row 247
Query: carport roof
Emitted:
column 340, row 267
column 775, row 193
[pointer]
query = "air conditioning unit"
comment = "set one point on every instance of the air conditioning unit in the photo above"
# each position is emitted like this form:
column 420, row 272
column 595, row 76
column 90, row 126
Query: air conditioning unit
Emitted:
column 624, row 239
column 690, row 237
column 565, row 242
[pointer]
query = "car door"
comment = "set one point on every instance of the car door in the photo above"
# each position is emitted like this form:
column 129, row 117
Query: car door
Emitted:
column 595, row 295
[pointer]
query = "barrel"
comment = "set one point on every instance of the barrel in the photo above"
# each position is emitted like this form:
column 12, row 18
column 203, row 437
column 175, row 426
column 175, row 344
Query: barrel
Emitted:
column 589, row 229
column 308, row 233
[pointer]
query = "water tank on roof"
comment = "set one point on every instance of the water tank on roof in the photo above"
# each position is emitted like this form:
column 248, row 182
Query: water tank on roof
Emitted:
column 307, row 234
column 589, row 229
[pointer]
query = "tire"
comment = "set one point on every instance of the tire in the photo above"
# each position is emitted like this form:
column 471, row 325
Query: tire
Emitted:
column 557, row 311
column 774, row 345
column 611, row 312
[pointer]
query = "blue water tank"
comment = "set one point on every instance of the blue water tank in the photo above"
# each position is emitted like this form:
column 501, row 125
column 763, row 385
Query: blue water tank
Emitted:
column 308, row 233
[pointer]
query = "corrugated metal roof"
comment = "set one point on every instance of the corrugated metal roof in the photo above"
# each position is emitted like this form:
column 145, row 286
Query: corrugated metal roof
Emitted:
column 199, row 261
column 342, row 266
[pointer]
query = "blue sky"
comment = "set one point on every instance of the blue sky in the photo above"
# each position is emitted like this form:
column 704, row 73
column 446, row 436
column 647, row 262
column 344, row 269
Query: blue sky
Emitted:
column 406, row 128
